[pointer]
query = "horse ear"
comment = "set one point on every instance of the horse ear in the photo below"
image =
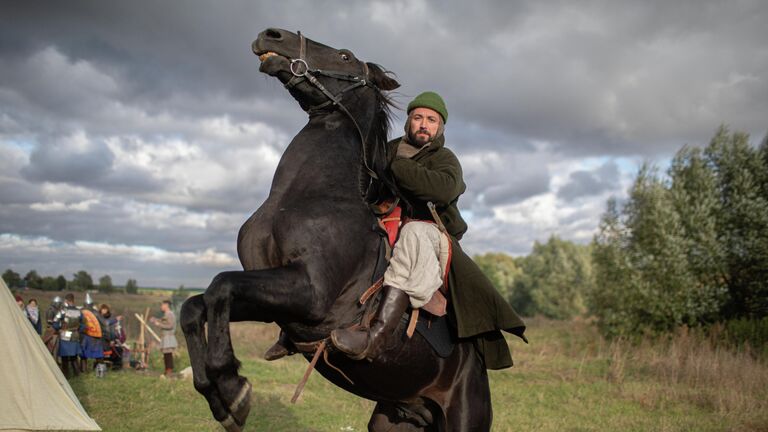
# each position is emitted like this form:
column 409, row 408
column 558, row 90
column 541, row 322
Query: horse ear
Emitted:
column 381, row 78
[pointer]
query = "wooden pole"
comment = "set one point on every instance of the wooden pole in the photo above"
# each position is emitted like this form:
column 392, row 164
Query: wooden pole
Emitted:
column 149, row 329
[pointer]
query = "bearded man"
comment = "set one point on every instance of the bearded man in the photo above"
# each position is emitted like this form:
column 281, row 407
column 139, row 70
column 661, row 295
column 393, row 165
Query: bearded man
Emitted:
column 427, row 172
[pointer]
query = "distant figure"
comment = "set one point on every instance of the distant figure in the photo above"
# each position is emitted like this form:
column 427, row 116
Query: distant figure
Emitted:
column 19, row 302
column 69, row 323
column 168, row 344
column 114, row 336
column 51, row 335
column 92, row 344
column 33, row 314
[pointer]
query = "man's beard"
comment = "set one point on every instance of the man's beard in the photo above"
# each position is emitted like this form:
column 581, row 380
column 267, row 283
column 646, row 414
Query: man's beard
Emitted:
column 419, row 139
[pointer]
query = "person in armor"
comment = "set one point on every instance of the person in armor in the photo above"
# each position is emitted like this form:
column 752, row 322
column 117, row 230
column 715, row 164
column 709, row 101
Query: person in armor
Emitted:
column 91, row 338
column 114, row 336
column 51, row 335
column 68, row 322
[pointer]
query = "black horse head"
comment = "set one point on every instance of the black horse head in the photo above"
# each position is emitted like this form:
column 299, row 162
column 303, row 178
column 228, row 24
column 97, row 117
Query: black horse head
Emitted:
column 288, row 56
column 322, row 79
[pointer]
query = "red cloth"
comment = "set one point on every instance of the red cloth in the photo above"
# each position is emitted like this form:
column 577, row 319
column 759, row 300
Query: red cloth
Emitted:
column 391, row 224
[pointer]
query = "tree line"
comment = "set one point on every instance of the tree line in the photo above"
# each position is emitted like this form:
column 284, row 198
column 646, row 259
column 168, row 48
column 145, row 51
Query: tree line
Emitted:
column 687, row 247
column 81, row 281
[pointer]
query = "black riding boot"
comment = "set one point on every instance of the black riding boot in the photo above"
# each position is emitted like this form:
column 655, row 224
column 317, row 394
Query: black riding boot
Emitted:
column 361, row 343
column 280, row 349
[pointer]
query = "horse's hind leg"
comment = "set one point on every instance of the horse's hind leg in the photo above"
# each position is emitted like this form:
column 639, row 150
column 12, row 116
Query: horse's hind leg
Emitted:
column 387, row 418
column 262, row 295
column 469, row 405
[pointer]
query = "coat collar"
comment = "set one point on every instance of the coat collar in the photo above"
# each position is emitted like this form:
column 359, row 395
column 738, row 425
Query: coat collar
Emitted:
column 433, row 146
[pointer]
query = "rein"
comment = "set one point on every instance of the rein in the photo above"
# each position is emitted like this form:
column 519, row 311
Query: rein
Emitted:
column 302, row 72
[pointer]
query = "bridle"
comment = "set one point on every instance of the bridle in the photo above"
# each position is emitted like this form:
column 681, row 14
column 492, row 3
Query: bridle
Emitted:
column 302, row 72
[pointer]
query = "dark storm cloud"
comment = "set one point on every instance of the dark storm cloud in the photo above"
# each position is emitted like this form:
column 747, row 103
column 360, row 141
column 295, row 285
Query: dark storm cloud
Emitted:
column 589, row 183
column 76, row 161
column 603, row 75
column 512, row 190
column 16, row 191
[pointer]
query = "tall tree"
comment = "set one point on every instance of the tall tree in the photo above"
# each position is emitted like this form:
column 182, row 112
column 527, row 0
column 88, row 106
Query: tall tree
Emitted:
column 614, row 276
column 49, row 284
column 743, row 223
column 557, row 275
column 694, row 193
column 33, row 280
column 501, row 269
column 82, row 281
column 61, row 283
column 12, row 279
column 131, row 287
column 653, row 290
column 105, row 284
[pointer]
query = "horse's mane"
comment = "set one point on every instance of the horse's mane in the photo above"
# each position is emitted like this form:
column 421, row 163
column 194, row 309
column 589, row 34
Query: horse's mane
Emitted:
column 385, row 187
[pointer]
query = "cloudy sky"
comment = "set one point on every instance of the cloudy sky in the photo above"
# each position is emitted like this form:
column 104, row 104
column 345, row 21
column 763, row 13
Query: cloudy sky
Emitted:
column 136, row 137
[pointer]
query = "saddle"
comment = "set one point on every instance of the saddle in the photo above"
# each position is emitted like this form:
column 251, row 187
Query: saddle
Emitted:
column 391, row 224
column 433, row 325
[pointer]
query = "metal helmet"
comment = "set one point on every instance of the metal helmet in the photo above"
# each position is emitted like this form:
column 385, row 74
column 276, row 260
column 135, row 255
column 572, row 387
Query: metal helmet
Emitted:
column 88, row 300
column 57, row 301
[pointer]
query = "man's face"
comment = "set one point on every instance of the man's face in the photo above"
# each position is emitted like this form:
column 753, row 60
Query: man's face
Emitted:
column 423, row 126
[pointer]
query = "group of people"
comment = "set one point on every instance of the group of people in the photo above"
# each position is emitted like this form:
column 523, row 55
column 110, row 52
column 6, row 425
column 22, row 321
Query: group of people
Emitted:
column 76, row 335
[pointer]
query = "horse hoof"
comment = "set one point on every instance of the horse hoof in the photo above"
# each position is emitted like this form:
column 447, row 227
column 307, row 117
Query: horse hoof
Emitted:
column 230, row 425
column 241, row 406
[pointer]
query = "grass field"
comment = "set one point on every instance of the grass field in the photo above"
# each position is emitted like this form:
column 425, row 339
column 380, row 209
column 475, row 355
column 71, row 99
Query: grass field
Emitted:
column 567, row 379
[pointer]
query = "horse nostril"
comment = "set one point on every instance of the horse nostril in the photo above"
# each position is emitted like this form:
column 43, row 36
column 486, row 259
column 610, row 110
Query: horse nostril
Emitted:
column 273, row 34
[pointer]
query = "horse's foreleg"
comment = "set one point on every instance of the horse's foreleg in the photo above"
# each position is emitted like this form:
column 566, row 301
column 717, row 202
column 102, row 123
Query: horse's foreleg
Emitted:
column 260, row 295
column 193, row 318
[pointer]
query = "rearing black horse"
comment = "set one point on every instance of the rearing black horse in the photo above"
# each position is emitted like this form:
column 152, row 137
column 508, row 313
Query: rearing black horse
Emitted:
column 309, row 252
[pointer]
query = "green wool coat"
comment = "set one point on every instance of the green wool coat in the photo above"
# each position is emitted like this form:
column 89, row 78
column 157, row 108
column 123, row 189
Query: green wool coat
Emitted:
column 477, row 309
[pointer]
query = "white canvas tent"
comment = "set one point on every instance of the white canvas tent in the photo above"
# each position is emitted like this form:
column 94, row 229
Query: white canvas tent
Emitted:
column 34, row 395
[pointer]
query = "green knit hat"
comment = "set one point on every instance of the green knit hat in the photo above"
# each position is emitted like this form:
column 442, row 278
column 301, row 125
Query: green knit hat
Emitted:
column 432, row 101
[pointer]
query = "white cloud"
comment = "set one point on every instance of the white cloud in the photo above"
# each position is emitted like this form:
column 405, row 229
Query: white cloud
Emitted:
column 85, row 249
column 58, row 206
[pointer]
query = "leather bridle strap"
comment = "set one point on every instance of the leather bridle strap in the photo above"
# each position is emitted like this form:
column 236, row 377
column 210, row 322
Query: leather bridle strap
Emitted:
column 302, row 72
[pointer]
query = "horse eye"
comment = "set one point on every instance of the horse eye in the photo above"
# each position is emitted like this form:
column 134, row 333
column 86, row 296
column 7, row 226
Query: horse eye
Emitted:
column 345, row 56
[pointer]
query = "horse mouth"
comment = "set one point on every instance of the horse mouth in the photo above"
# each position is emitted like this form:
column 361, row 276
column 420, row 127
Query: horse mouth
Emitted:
column 266, row 55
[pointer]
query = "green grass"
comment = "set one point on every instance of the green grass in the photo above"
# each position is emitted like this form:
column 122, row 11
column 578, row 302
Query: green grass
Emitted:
column 567, row 379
